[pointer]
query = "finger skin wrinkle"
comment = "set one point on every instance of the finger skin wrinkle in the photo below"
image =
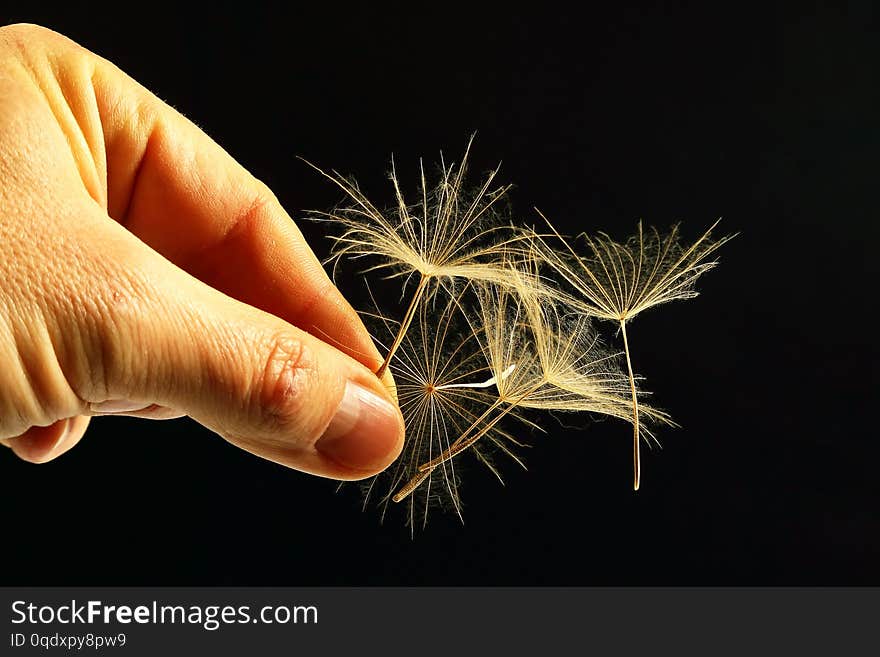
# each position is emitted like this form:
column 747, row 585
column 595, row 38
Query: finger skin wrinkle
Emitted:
column 81, row 123
column 129, row 125
column 246, row 223
column 44, row 378
column 127, row 115
column 16, row 408
column 33, row 388
column 288, row 374
column 125, row 200
column 110, row 305
column 62, row 76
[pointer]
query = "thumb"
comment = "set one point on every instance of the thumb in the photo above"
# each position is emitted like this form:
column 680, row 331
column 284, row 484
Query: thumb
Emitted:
column 261, row 383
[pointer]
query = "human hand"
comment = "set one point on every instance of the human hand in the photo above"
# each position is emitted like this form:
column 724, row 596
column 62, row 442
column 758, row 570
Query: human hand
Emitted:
column 143, row 271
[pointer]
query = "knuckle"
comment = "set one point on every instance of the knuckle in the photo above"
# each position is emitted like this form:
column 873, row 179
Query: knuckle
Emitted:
column 27, row 37
column 23, row 31
column 288, row 372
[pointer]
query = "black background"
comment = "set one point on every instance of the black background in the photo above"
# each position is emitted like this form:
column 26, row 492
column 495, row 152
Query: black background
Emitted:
column 664, row 112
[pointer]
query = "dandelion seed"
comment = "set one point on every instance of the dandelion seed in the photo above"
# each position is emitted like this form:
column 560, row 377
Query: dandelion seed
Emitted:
column 450, row 233
column 617, row 281
column 433, row 370
column 541, row 358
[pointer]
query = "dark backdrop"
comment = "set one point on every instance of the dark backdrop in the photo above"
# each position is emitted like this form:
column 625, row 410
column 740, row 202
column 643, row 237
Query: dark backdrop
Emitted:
column 662, row 112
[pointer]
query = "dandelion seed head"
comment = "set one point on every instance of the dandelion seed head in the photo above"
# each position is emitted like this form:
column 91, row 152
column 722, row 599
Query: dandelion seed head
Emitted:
column 433, row 370
column 450, row 231
column 618, row 280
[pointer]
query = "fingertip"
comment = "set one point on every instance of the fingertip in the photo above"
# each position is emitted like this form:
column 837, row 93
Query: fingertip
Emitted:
column 363, row 437
column 365, row 434
column 43, row 444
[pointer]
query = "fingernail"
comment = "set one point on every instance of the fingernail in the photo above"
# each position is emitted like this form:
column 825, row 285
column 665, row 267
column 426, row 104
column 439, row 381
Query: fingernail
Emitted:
column 363, row 431
column 64, row 435
column 116, row 406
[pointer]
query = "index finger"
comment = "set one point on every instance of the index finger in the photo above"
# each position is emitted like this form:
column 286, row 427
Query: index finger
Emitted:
column 182, row 194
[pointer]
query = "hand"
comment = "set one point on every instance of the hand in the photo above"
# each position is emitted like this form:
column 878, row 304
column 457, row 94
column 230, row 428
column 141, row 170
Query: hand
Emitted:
column 143, row 271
